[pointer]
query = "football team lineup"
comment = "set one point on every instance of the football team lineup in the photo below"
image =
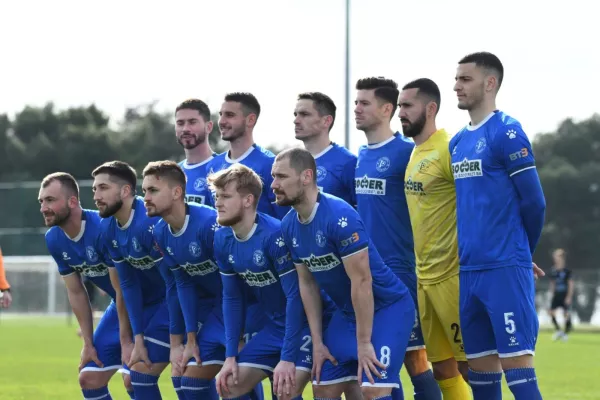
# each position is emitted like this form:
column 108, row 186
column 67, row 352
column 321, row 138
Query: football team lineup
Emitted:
column 314, row 266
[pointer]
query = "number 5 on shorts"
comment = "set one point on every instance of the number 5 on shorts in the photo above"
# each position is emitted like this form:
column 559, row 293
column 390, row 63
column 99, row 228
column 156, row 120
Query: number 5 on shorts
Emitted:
column 510, row 324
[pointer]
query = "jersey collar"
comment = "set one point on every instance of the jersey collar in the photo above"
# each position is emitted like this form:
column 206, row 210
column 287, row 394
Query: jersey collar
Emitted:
column 250, row 234
column 311, row 217
column 373, row 146
column 240, row 158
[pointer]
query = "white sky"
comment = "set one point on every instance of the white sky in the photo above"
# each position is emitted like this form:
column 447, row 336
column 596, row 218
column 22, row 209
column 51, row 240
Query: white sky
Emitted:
column 123, row 53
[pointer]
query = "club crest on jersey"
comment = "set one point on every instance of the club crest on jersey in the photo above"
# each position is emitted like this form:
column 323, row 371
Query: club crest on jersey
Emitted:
column 194, row 249
column 467, row 169
column 136, row 245
column 321, row 173
column 480, row 145
column 199, row 184
column 383, row 164
column 91, row 254
column 259, row 258
column 320, row 239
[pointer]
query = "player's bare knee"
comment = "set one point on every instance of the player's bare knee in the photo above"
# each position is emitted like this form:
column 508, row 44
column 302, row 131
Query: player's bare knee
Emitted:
column 352, row 391
column 416, row 362
column 489, row 363
column 127, row 382
column 142, row 368
column 94, row 379
column 524, row 361
column 329, row 391
column 372, row 392
column 302, row 379
column 445, row 369
column 204, row 372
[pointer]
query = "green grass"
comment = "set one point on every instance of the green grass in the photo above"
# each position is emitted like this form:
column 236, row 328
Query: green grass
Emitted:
column 39, row 357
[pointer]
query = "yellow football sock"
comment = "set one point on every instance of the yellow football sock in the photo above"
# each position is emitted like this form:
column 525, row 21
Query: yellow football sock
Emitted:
column 455, row 389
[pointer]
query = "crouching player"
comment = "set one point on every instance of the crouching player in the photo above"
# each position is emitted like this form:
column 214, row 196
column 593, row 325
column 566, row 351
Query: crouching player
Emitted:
column 375, row 312
column 252, row 255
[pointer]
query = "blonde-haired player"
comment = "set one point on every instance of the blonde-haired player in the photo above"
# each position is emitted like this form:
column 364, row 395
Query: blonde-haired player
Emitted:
column 431, row 199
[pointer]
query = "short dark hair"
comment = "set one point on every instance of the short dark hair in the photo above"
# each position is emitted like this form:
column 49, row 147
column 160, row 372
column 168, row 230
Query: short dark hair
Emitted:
column 322, row 103
column 426, row 87
column 300, row 160
column 248, row 101
column 66, row 180
column 195, row 104
column 119, row 170
column 486, row 60
column 386, row 90
column 167, row 169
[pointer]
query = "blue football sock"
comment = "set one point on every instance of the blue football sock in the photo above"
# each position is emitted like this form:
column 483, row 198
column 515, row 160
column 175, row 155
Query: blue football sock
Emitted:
column 145, row 386
column 522, row 382
column 177, row 385
column 397, row 394
column 131, row 394
column 426, row 387
column 196, row 388
column 486, row 385
column 258, row 393
column 101, row 393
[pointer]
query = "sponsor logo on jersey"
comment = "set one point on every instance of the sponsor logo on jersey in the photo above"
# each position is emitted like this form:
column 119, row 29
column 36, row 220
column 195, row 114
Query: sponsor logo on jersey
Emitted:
column 414, row 187
column 91, row 270
column 145, row 262
column 374, row 186
column 204, row 268
column 467, row 169
column 258, row 279
column 321, row 263
column 195, row 198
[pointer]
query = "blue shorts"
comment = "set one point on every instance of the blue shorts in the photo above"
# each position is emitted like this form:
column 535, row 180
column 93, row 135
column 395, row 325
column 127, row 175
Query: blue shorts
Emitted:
column 211, row 335
column 107, row 341
column 497, row 312
column 156, row 332
column 416, row 341
column 263, row 351
column 392, row 327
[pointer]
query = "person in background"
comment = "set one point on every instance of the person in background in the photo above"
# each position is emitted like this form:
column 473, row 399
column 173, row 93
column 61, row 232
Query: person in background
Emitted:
column 562, row 287
column 6, row 296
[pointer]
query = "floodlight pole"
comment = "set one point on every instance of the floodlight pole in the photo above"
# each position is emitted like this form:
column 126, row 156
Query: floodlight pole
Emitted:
column 347, row 77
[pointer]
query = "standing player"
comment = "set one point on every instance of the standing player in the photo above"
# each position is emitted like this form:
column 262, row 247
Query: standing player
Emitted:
column 369, row 331
column 380, row 171
column 185, row 236
column 500, row 211
column 127, row 232
column 561, row 288
column 74, row 242
column 252, row 255
column 314, row 118
column 5, row 295
column 431, row 198
column 192, row 128
column 237, row 119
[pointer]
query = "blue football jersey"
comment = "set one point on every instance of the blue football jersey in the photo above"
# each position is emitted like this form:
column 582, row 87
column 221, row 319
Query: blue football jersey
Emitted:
column 189, row 254
column 136, row 257
column 335, row 231
column 262, row 262
column 381, row 201
column 196, row 188
column 490, row 228
column 260, row 160
column 335, row 172
column 85, row 254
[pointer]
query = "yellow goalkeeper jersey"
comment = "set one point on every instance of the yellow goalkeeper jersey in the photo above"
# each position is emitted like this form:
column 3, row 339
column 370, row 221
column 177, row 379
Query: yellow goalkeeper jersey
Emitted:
column 431, row 198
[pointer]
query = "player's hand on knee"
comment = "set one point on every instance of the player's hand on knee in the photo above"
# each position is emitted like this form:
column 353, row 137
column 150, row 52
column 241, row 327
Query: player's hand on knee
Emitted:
column 139, row 354
column 320, row 355
column 368, row 362
column 126, row 350
column 175, row 357
column 88, row 353
column 284, row 379
column 537, row 271
column 230, row 368
column 190, row 351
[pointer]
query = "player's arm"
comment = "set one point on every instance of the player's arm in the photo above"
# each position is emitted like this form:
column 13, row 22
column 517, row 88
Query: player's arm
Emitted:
column 234, row 303
column 294, row 311
column 570, row 290
column 80, row 303
column 357, row 268
column 132, row 294
column 516, row 155
column 125, row 333
column 311, row 300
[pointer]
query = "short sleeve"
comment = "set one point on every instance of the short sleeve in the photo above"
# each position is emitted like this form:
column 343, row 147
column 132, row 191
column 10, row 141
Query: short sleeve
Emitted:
column 279, row 254
column 513, row 149
column 347, row 231
column 63, row 268
column 287, row 238
column 446, row 164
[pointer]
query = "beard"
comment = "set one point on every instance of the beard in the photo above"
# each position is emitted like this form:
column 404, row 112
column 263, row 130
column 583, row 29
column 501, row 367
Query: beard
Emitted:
column 233, row 134
column 414, row 128
column 112, row 209
column 193, row 141
column 230, row 221
column 60, row 217
column 287, row 201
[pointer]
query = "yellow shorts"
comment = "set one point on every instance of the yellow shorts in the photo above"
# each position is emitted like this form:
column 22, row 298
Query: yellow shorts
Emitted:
column 438, row 306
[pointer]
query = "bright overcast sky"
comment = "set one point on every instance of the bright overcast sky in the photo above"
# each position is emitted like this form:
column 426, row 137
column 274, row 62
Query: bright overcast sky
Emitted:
column 122, row 53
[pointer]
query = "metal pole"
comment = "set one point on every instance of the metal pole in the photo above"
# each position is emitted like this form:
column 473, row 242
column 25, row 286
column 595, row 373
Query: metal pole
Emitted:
column 347, row 76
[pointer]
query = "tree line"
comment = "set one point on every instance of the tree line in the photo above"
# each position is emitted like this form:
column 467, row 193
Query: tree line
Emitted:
column 41, row 140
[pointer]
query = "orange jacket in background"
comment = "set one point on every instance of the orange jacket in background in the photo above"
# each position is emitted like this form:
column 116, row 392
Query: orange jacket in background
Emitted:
column 3, row 282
